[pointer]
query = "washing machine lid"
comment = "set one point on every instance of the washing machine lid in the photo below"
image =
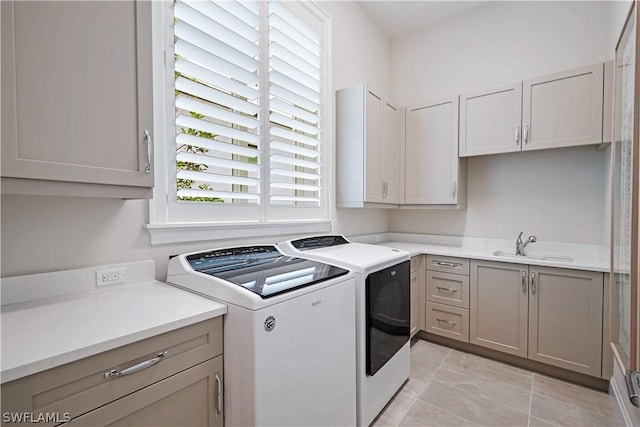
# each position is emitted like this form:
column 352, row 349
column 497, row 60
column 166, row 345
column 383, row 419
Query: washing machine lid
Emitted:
column 263, row 270
column 335, row 249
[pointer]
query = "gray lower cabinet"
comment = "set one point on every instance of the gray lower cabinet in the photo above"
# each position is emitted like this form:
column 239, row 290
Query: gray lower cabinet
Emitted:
column 417, row 295
column 447, row 297
column 169, row 379
column 499, row 306
column 565, row 318
column 550, row 315
column 184, row 399
column 77, row 107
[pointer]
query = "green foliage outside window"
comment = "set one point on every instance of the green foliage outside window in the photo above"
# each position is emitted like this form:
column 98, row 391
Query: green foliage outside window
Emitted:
column 180, row 165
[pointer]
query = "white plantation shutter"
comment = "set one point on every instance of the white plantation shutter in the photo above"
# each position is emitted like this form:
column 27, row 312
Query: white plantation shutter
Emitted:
column 218, row 111
column 295, row 53
column 248, row 104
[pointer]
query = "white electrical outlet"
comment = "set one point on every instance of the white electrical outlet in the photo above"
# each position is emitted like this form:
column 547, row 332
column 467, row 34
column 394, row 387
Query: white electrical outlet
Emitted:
column 443, row 240
column 111, row 276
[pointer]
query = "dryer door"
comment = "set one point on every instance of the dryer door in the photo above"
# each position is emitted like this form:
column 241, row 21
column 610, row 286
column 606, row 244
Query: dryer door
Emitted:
column 388, row 314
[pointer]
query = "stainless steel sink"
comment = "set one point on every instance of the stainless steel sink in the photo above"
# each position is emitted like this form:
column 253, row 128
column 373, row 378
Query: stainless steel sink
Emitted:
column 557, row 258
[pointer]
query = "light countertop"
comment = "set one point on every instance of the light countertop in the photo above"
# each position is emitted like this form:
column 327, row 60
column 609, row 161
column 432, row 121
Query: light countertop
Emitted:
column 583, row 257
column 81, row 320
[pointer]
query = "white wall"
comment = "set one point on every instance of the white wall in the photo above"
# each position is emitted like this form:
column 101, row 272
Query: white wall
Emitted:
column 360, row 54
column 42, row 234
column 542, row 193
column 559, row 195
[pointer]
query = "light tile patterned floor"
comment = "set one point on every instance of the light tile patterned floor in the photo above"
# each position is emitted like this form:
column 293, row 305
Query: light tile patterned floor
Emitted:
column 452, row 388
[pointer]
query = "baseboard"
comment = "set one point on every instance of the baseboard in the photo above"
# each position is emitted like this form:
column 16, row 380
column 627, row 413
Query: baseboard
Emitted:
column 542, row 368
column 618, row 396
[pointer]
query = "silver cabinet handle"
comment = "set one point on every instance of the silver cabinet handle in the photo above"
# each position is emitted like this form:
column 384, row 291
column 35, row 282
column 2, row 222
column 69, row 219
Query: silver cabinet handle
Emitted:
column 386, row 189
column 449, row 322
column 382, row 189
column 219, row 397
column 526, row 133
column 446, row 264
column 135, row 368
column 524, row 282
column 632, row 380
column 442, row 288
column 454, row 188
column 533, row 283
column 147, row 140
column 518, row 134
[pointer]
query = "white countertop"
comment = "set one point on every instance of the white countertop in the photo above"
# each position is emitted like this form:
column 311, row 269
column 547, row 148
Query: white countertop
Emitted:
column 583, row 257
column 39, row 334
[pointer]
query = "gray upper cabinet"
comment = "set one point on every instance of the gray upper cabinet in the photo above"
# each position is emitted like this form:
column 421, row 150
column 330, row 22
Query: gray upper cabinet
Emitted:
column 563, row 109
column 490, row 121
column 369, row 131
column 434, row 174
column 77, row 98
column 558, row 110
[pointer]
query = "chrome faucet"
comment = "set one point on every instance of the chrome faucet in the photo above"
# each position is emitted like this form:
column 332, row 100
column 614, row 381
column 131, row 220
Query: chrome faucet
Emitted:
column 520, row 245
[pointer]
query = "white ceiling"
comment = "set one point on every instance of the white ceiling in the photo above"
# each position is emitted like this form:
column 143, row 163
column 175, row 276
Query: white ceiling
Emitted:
column 397, row 17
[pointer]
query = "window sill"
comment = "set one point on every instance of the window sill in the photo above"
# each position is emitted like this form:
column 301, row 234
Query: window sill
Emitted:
column 197, row 232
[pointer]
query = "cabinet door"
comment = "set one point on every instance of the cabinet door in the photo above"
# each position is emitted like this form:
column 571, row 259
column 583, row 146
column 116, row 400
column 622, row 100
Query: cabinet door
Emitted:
column 77, row 91
column 432, row 162
column 498, row 306
column 565, row 318
column 490, row 121
column 373, row 125
column 190, row 398
column 414, row 324
column 390, row 154
column 563, row 109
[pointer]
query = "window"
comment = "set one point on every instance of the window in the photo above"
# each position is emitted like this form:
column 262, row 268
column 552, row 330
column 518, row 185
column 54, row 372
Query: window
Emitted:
column 246, row 139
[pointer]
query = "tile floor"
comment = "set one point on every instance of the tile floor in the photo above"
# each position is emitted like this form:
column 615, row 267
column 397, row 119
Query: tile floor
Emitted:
column 451, row 388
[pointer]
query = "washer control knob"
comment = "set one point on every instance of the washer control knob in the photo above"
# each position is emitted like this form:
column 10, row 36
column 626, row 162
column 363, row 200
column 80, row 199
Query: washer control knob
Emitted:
column 269, row 323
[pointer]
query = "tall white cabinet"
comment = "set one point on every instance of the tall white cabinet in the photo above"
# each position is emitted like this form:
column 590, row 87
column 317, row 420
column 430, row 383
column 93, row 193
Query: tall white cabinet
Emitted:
column 77, row 108
column 434, row 174
column 369, row 132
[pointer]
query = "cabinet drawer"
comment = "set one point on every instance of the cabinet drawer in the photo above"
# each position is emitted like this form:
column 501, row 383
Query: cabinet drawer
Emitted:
column 448, row 264
column 447, row 288
column 451, row 322
column 415, row 263
column 190, row 398
column 81, row 386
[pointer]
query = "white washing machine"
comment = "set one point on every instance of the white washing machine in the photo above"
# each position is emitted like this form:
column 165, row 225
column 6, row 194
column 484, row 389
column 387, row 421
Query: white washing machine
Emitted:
column 289, row 334
column 383, row 305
